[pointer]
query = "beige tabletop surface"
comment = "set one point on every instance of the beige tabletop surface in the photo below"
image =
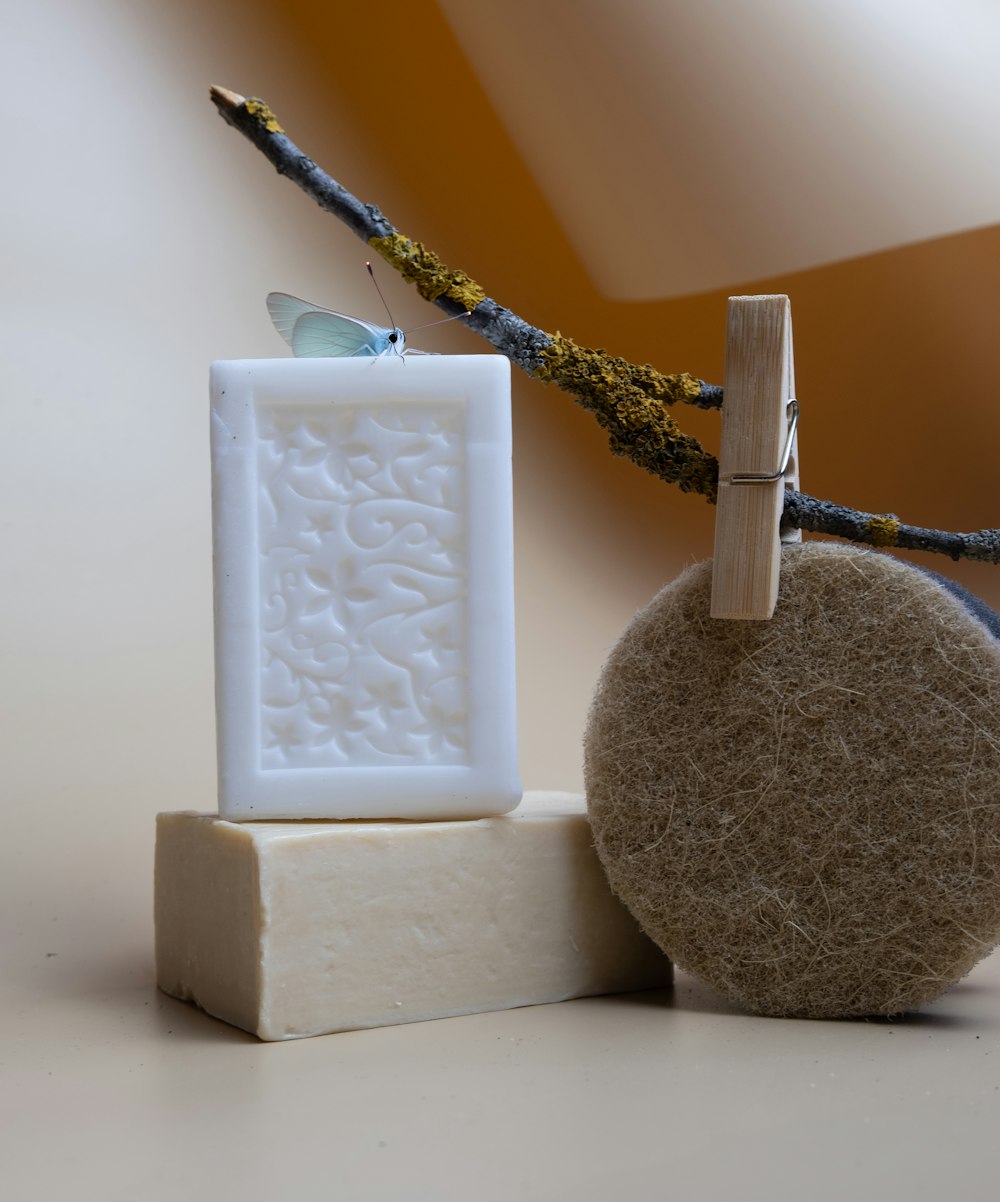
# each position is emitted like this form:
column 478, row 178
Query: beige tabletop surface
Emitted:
column 110, row 1090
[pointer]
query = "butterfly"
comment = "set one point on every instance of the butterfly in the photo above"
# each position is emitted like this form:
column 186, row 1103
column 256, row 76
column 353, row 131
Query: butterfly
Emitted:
column 317, row 333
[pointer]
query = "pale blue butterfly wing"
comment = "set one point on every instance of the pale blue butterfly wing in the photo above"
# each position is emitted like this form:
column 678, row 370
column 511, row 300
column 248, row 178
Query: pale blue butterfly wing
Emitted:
column 324, row 335
column 316, row 333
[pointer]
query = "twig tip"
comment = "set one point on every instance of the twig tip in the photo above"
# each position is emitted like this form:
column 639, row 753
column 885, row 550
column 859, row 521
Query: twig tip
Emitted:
column 225, row 98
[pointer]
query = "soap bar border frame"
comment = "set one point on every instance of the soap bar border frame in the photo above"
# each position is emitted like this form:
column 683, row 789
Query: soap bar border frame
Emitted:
column 489, row 783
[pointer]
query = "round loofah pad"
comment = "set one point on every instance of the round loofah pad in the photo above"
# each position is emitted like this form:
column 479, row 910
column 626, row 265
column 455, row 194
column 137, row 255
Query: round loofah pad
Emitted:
column 805, row 812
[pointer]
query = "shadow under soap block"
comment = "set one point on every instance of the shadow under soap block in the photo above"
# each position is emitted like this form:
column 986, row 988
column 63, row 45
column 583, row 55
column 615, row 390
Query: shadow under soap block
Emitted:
column 291, row 929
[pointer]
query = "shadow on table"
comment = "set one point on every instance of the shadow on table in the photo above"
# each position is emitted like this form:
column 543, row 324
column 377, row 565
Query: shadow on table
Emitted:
column 693, row 996
column 184, row 1021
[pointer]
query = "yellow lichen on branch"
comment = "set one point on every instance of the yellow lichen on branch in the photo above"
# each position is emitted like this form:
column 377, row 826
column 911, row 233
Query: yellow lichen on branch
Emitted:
column 629, row 401
column 262, row 114
column 426, row 272
column 883, row 531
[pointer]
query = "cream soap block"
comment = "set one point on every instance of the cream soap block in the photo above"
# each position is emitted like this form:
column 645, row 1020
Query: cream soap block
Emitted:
column 364, row 594
column 294, row 929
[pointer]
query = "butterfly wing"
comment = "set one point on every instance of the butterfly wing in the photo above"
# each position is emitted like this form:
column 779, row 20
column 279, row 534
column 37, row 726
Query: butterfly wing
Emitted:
column 313, row 332
column 285, row 311
column 321, row 335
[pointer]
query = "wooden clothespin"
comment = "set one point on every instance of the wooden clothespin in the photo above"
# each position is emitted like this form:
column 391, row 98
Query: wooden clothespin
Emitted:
column 758, row 457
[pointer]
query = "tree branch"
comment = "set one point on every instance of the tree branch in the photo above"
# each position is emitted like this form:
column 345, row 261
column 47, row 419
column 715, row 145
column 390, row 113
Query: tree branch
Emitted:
column 629, row 400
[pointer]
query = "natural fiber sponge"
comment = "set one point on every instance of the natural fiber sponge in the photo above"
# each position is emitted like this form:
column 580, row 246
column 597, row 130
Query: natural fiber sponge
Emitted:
column 805, row 812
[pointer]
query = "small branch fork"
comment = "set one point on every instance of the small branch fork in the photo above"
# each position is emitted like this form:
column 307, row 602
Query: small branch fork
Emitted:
column 629, row 400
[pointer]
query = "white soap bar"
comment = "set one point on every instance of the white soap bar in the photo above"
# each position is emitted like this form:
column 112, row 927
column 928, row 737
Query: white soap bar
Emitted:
column 295, row 929
column 364, row 587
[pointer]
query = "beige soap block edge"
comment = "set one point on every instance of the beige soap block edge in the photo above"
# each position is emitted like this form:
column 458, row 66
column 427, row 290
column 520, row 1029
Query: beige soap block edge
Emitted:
column 292, row 929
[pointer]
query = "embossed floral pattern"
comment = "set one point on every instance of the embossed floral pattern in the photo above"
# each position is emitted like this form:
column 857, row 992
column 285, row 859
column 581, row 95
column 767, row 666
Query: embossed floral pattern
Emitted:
column 363, row 585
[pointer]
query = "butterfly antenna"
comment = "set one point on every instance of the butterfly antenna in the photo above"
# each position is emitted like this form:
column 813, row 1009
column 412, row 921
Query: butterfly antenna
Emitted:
column 392, row 322
column 439, row 322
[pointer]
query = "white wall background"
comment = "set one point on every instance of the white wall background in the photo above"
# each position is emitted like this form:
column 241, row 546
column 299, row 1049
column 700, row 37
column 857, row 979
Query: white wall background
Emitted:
column 140, row 236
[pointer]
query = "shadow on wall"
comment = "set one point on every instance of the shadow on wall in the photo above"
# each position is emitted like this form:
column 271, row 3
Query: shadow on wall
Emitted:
column 883, row 342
